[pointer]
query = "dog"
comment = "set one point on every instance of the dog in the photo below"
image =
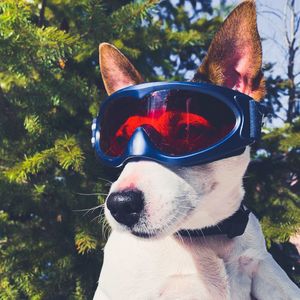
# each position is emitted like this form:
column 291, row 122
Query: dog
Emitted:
column 151, row 260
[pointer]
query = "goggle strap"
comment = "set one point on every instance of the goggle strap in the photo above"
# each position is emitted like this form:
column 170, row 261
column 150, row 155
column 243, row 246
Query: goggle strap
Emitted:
column 256, row 116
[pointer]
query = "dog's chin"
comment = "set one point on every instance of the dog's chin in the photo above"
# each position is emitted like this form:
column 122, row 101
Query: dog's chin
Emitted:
column 158, row 233
column 138, row 232
column 145, row 235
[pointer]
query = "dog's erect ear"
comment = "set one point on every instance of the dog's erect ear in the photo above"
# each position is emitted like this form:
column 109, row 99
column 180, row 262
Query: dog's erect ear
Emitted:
column 234, row 58
column 117, row 71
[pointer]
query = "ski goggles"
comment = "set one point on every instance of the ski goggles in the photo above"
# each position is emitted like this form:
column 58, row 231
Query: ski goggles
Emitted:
column 175, row 123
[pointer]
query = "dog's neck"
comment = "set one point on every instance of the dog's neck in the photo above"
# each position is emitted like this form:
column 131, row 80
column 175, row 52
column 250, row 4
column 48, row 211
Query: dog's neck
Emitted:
column 217, row 206
column 233, row 226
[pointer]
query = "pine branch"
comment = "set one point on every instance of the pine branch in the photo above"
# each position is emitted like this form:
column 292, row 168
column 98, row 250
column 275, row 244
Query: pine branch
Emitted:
column 42, row 13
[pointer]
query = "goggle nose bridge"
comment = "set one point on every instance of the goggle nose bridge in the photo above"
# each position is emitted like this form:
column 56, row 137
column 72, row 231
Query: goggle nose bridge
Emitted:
column 139, row 143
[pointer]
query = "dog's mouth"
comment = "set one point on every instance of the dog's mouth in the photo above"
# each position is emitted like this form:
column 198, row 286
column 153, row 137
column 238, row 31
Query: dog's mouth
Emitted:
column 160, row 232
column 145, row 235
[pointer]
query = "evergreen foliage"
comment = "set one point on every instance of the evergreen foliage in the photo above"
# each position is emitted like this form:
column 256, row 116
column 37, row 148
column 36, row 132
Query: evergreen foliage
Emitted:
column 50, row 89
column 272, row 185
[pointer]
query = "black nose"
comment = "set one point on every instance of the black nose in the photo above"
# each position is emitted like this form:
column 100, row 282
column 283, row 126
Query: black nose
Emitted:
column 126, row 206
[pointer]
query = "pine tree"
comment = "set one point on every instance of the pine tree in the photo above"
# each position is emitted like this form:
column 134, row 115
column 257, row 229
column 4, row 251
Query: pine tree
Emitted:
column 50, row 89
column 273, row 192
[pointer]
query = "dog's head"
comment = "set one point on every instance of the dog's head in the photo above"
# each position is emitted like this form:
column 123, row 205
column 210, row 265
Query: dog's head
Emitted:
column 151, row 200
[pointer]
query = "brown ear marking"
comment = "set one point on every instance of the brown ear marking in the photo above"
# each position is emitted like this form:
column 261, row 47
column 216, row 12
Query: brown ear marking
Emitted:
column 234, row 58
column 117, row 71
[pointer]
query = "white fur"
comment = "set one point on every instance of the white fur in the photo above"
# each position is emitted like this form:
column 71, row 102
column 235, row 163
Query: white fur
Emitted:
column 169, row 267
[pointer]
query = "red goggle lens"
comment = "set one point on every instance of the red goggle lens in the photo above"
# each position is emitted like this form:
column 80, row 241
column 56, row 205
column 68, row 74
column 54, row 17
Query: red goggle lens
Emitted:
column 177, row 122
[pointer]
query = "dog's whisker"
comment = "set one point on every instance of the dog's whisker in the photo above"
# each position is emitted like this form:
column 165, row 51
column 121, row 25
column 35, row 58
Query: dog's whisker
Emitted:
column 92, row 194
column 102, row 205
column 95, row 219
column 190, row 238
column 81, row 210
column 89, row 209
column 108, row 230
column 185, row 207
column 104, row 179
column 184, row 196
column 218, row 227
column 180, row 237
column 203, row 236
column 84, row 209
column 169, row 225
column 105, row 228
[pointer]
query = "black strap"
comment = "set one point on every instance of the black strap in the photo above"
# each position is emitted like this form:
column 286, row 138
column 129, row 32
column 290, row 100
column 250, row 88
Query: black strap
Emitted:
column 233, row 226
column 257, row 112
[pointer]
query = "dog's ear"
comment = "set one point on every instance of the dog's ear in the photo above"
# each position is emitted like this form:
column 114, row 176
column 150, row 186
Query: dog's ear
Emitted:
column 234, row 58
column 117, row 71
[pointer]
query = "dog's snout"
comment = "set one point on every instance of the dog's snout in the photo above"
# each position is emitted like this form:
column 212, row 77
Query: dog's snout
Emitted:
column 126, row 206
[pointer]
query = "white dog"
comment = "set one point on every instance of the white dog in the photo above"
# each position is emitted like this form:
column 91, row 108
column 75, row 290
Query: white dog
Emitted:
column 149, row 260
